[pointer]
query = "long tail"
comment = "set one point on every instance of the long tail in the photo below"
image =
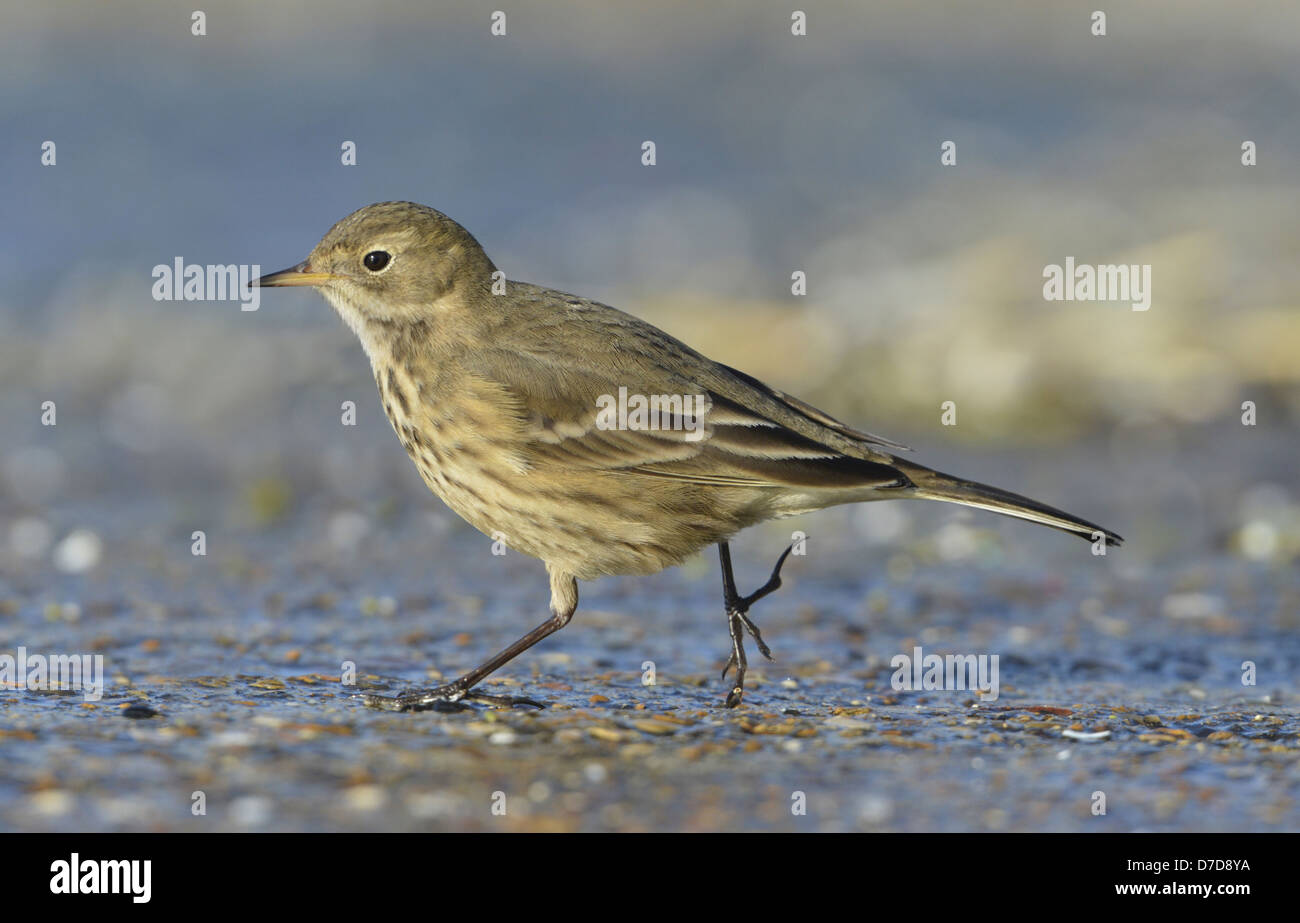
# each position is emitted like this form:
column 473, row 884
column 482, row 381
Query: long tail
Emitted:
column 935, row 485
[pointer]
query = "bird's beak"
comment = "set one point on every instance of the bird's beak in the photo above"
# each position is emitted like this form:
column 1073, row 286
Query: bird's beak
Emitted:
column 295, row 275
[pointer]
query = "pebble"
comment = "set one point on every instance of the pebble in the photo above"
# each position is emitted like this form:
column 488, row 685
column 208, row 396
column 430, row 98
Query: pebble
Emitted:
column 1085, row 735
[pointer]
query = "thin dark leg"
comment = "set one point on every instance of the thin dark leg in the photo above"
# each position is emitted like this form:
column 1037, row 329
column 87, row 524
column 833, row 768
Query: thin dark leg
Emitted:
column 738, row 658
column 461, row 689
column 738, row 618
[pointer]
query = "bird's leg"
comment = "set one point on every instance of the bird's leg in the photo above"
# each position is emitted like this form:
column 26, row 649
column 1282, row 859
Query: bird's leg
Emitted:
column 737, row 658
column 462, row 689
column 738, row 618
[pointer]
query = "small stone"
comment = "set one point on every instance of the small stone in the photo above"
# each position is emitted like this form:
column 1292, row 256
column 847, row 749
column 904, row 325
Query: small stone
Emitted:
column 138, row 710
column 655, row 726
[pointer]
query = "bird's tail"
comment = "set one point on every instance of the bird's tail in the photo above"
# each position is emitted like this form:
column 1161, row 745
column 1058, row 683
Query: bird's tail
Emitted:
column 935, row 485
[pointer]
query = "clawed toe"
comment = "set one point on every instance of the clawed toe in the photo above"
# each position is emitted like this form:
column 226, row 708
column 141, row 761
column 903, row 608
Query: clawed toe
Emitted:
column 503, row 701
column 756, row 634
column 439, row 699
column 443, row 698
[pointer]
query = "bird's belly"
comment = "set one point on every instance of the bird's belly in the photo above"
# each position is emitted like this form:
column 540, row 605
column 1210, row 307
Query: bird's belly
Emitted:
column 590, row 523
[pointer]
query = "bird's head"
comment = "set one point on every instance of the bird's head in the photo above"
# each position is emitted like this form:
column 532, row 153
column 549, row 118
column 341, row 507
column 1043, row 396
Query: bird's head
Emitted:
column 393, row 263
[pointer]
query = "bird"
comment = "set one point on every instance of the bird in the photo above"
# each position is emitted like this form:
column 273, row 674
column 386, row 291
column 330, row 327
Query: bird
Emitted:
column 586, row 437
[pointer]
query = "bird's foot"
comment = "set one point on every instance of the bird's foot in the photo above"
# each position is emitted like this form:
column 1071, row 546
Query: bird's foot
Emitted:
column 750, row 627
column 739, row 622
column 450, row 697
column 754, row 633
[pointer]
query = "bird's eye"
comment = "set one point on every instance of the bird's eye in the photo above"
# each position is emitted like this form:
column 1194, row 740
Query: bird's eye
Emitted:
column 376, row 260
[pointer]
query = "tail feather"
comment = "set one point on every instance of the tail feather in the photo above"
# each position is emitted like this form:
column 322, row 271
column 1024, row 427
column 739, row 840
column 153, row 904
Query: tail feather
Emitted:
column 935, row 485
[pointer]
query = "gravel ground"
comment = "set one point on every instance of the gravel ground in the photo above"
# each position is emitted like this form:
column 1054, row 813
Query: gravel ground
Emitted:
column 1117, row 675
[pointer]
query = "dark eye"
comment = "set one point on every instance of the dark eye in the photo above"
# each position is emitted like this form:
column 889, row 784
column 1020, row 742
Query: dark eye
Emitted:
column 376, row 260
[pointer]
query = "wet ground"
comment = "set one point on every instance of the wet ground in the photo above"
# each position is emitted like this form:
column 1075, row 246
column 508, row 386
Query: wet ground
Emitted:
column 1121, row 679
column 1120, row 685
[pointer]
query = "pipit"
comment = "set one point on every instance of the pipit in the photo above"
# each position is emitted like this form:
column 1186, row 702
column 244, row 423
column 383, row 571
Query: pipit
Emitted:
column 525, row 411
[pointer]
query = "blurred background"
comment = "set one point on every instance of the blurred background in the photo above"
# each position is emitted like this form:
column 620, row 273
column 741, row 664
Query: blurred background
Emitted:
column 775, row 154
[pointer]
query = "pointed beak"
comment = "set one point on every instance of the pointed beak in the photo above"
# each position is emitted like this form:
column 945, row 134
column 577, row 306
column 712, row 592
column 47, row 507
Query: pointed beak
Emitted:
column 295, row 275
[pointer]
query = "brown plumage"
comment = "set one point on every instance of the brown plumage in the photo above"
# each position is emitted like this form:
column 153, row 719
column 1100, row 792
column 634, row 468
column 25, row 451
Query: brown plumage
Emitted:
column 497, row 398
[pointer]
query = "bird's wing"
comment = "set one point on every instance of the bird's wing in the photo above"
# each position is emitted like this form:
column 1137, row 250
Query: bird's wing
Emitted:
column 575, row 351
column 804, row 409
column 749, row 435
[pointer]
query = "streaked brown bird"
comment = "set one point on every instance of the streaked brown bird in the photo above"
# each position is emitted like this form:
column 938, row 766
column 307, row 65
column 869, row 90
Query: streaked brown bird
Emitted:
column 507, row 398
